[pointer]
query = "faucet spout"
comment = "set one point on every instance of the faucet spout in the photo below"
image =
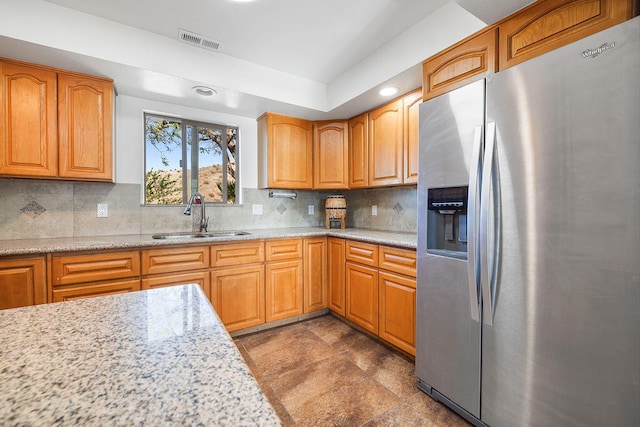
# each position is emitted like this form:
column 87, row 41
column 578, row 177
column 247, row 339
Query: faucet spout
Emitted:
column 204, row 223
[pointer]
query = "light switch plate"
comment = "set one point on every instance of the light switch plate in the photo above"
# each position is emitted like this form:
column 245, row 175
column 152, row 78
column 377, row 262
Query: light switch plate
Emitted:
column 103, row 210
column 256, row 209
column 374, row 210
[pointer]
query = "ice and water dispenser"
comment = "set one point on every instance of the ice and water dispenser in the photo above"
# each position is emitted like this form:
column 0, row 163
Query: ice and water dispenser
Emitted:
column 447, row 221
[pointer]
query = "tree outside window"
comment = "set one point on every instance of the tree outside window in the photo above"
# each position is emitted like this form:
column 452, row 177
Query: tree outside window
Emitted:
column 184, row 156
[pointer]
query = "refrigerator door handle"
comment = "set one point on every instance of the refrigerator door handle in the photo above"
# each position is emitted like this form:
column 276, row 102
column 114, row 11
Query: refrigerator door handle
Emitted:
column 472, row 239
column 489, row 234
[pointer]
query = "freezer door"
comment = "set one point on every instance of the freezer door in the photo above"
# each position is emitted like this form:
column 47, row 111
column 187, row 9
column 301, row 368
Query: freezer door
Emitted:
column 448, row 338
column 564, row 347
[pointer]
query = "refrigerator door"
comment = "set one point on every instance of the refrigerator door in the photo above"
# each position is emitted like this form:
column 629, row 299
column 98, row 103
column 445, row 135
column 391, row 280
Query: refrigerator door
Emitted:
column 564, row 346
column 448, row 339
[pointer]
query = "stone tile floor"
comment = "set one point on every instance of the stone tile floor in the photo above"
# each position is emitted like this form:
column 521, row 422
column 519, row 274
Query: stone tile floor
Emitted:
column 323, row 372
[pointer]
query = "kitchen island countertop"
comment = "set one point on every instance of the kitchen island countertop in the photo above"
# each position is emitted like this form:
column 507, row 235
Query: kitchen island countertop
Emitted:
column 156, row 357
column 110, row 242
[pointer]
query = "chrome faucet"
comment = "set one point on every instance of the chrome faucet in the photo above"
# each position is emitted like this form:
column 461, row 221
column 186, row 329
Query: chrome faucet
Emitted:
column 204, row 223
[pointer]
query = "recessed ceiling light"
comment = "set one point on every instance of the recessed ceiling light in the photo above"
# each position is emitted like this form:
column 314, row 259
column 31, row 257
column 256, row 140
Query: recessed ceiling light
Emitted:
column 388, row 91
column 204, row 90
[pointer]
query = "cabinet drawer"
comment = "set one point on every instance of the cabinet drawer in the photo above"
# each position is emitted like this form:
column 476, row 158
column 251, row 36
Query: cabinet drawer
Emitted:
column 237, row 254
column 401, row 261
column 362, row 253
column 199, row 277
column 95, row 290
column 280, row 250
column 169, row 260
column 68, row 269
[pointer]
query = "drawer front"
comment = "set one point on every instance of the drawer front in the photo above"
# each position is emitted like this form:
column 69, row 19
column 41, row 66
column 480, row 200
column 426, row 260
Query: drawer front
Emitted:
column 401, row 261
column 237, row 254
column 280, row 250
column 362, row 253
column 95, row 290
column 169, row 260
column 199, row 277
column 95, row 267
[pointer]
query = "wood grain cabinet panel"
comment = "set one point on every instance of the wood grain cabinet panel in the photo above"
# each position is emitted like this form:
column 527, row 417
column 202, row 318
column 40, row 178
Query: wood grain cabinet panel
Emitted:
column 336, row 274
column 362, row 253
column 201, row 278
column 546, row 25
column 237, row 295
column 237, row 254
column 285, row 152
column 397, row 260
column 283, row 249
column 283, row 286
column 84, row 127
column 397, row 323
column 95, row 267
column 23, row 282
column 315, row 274
column 330, row 155
column 359, row 151
column 386, row 145
column 411, row 105
column 173, row 259
column 362, row 296
column 90, row 290
column 469, row 60
column 28, row 121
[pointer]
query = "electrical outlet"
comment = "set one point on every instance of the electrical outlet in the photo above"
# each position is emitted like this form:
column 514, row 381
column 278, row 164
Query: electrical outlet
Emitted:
column 374, row 210
column 256, row 209
column 103, row 210
column 312, row 209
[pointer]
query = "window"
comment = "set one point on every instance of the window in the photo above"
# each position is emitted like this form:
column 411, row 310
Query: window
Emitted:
column 183, row 156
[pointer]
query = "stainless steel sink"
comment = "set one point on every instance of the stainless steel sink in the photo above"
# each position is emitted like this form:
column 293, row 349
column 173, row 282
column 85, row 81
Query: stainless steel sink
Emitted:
column 198, row 235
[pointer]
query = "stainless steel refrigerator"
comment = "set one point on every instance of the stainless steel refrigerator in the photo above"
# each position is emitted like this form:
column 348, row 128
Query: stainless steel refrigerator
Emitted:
column 528, row 294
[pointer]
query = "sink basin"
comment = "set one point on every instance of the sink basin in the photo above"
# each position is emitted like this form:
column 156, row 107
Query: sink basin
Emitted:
column 198, row 235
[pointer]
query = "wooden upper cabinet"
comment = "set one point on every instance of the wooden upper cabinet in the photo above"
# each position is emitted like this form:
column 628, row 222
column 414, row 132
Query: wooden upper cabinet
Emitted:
column 28, row 121
column 84, row 127
column 359, row 151
column 23, row 281
column 285, row 152
column 386, row 145
column 330, row 155
column 547, row 25
column 472, row 59
column 411, row 105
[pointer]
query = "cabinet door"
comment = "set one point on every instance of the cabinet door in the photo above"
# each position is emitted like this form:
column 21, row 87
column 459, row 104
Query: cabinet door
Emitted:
column 237, row 295
column 283, row 289
column 546, row 25
column 315, row 274
column 362, row 296
column 398, row 311
column 90, row 290
column 199, row 277
column 289, row 152
column 472, row 59
column 411, row 105
column 22, row 282
column 330, row 155
column 84, row 127
column 28, row 123
column 336, row 274
column 386, row 145
column 359, row 151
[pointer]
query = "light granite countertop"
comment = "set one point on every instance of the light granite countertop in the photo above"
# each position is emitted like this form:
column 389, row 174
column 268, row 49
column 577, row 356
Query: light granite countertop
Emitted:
column 156, row 357
column 69, row 244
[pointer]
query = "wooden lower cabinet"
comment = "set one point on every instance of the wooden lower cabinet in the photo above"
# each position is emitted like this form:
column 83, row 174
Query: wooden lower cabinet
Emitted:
column 95, row 267
column 397, row 320
column 315, row 274
column 237, row 295
column 89, row 290
column 362, row 296
column 336, row 275
column 199, row 277
column 23, row 282
column 283, row 289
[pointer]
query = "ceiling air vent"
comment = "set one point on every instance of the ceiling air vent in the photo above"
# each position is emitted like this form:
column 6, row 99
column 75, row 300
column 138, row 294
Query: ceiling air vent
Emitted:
column 198, row 40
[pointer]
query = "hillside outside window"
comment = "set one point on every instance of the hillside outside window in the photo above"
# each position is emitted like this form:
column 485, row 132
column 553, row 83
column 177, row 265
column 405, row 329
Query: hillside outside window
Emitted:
column 183, row 156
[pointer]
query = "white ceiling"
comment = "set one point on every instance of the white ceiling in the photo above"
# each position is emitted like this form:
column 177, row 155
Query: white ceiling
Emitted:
column 315, row 59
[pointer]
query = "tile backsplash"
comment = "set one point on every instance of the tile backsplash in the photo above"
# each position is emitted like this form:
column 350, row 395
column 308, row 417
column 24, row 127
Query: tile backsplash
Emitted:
column 49, row 209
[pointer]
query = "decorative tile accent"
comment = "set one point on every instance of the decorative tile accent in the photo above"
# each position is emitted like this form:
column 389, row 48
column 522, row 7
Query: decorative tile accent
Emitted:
column 397, row 208
column 33, row 209
column 281, row 208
